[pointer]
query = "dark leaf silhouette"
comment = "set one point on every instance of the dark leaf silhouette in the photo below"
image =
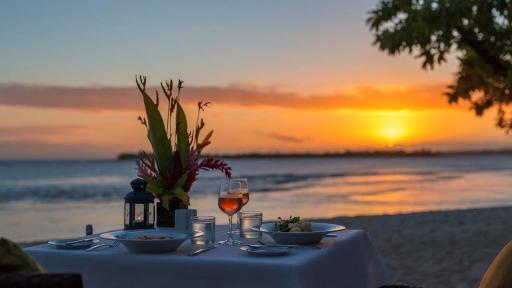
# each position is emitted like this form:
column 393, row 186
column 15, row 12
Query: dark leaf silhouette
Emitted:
column 478, row 31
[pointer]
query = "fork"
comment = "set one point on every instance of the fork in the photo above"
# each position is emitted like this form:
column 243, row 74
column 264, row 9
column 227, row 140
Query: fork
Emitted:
column 263, row 244
column 111, row 245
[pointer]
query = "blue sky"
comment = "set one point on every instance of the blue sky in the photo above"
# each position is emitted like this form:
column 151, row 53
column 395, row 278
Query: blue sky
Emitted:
column 297, row 45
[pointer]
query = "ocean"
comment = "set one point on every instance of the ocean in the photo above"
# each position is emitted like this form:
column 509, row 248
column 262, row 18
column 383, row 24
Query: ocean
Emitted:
column 56, row 199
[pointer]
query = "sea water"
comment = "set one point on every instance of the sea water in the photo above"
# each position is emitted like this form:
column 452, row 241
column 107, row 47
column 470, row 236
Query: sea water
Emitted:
column 55, row 199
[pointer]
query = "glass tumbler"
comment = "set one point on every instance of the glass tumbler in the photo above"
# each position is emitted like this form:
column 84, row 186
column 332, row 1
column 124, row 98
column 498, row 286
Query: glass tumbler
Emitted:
column 205, row 225
column 249, row 220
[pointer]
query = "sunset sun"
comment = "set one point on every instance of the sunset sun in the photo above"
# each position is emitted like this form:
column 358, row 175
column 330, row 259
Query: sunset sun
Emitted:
column 392, row 127
column 392, row 132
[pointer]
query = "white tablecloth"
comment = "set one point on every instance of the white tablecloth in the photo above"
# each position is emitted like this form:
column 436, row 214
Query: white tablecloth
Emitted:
column 349, row 260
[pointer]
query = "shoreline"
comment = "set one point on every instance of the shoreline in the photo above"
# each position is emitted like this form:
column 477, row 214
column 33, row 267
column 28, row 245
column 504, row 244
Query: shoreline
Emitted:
column 383, row 153
column 375, row 154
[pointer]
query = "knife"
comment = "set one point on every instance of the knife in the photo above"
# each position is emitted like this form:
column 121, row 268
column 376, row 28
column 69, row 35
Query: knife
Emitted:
column 258, row 246
column 79, row 241
column 202, row 250
column 274, row 245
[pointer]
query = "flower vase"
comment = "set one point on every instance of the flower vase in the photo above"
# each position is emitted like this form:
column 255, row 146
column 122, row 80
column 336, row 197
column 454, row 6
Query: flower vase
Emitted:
column 166, row 217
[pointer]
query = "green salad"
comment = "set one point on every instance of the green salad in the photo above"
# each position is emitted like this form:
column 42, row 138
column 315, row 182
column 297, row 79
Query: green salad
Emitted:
column 292, row 224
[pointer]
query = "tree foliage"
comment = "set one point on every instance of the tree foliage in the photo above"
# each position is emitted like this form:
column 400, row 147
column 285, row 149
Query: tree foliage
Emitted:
column 479, row 32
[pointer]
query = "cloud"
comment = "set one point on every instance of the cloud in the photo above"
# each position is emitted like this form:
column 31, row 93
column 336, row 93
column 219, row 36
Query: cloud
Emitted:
column 38, row 133
column 69, row 97
column 32, row 149
column 285, row 138
column 127, row 98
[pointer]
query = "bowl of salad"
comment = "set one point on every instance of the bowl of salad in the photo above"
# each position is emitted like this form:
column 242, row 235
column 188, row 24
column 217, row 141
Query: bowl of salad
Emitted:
column 294, row 231
column 159, row 240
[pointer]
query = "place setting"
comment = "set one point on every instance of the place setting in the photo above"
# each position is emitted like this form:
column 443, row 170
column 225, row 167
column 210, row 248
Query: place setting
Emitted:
column 140, row 236
column 161, row 224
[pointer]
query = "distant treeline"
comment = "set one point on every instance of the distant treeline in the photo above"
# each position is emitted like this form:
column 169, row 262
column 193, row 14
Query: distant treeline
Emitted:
column 348, row 153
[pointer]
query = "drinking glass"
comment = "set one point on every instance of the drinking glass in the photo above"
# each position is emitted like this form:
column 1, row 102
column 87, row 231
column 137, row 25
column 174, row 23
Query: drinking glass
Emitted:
column 249, row 220
column 230, row 202
column 206, row 225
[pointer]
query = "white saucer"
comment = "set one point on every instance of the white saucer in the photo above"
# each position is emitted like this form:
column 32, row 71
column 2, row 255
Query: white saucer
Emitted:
column 63, row 244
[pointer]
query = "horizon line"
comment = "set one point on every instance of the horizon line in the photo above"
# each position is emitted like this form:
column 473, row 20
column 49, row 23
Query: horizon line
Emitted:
column 377, row 153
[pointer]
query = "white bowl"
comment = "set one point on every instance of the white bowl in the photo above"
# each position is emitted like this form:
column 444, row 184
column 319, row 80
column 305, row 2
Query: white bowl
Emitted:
column 299, row 238
column 129, row 239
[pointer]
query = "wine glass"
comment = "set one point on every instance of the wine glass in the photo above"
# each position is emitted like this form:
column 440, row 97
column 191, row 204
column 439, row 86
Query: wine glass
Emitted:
column 244, row 189
column 245, row 199
column 230, row 202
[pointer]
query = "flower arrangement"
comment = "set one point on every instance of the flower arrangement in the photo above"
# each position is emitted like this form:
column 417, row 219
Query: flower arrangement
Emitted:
column 176, row 160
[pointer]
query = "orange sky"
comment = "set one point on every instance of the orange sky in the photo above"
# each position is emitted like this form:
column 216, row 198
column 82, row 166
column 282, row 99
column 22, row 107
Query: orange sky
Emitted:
column 285, row 76
column 100, row 123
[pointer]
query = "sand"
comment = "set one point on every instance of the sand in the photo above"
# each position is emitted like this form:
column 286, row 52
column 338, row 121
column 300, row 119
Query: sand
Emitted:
column 437, row 249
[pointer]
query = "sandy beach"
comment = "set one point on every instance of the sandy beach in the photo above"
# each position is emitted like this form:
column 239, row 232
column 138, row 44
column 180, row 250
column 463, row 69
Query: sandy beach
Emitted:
column 437, row 249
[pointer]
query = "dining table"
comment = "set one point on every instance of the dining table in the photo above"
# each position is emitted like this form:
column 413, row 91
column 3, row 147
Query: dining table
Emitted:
column 346, row 259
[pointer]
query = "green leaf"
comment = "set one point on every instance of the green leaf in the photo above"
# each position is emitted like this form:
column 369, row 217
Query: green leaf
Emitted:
column 182, row 134
column 181, row 181
column 179, row 193
column 158, row 136
column 155, row 186
column 164, row 199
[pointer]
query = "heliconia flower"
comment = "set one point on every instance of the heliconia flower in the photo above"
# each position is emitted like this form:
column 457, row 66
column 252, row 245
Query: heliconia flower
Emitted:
column 169, row 180
column 201, row 105
column 144, row 170
column 143, row 121
column 176, row 153
column 210, row 163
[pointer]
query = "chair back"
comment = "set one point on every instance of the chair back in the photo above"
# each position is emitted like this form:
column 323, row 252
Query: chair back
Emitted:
column 499, row 273
column 40, row 280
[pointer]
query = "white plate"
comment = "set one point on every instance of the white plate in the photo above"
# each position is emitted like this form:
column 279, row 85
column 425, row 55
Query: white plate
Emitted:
column 63, row 244
column 129, row 239
column 299, row 238
column 267, row 251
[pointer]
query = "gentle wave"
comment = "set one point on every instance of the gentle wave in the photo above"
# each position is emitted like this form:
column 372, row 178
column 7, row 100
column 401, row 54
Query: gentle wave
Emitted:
column 109, row 188
column 109, row 180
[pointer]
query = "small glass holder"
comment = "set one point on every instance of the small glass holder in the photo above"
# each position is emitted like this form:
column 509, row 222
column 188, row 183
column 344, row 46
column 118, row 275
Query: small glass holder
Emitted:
column 205, row 225
column 249, row 220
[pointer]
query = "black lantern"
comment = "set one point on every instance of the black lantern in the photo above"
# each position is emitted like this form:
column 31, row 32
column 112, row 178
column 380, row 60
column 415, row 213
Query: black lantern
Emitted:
column 139, row 207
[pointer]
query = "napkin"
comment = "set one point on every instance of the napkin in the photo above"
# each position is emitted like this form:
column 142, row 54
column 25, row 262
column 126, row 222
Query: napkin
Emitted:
column 182, row 219
column 499, row 274
column 14, row 259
